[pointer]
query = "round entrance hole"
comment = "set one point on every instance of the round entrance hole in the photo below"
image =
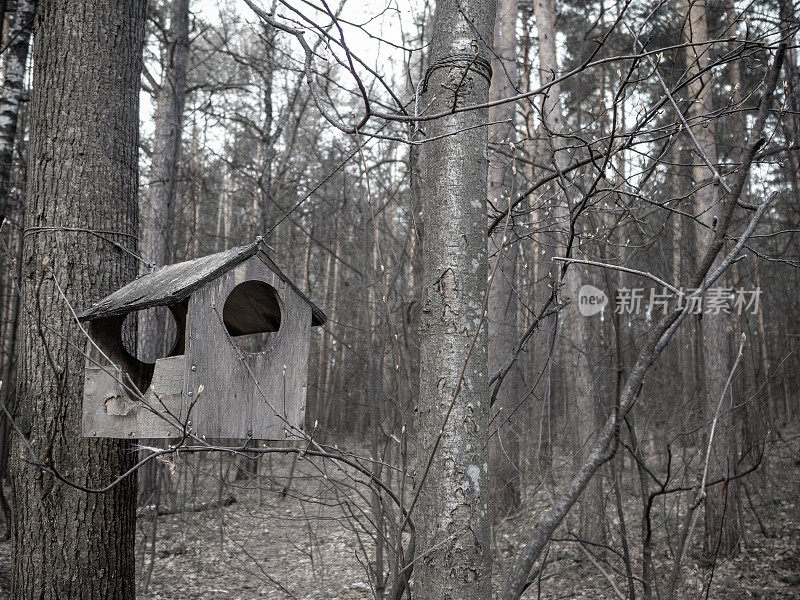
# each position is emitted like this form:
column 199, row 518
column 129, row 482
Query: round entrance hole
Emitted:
column 252, row 315
column 150, row 334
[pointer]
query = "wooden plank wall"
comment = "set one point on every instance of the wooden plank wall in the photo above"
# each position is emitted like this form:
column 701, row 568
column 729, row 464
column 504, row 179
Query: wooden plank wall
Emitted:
column 260, row 395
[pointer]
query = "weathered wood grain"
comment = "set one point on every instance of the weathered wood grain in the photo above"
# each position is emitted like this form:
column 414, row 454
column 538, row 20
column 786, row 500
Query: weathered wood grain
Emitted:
column 259, row 395
column 110, row 411
column 165, row 395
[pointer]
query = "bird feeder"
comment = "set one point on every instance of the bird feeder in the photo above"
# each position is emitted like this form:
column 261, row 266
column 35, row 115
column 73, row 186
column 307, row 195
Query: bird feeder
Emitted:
column 208, row 384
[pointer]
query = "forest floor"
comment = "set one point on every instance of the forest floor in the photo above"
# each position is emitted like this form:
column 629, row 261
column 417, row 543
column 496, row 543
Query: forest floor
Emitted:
column 309, row 544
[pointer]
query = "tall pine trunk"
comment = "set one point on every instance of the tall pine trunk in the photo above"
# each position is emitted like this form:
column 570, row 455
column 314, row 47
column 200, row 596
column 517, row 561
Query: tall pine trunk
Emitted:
column 714, row 330
column 502, row 317
column 544, row 13
column 20, row 25
column 573, row 325
column 157, row 231
column 82, row 173
column 453, row 418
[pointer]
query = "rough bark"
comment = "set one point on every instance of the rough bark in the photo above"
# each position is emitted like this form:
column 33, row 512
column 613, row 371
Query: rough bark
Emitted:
column 82, row 173
column 454, row 539
column 502, row 316
column 715, row 330
column 20, row 26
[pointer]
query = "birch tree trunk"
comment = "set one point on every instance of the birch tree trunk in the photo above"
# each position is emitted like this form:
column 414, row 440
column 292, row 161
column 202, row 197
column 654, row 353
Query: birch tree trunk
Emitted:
column 20, row 25
column 502, row 317
column 454, row 522
column 721, row 535
column 82, row 173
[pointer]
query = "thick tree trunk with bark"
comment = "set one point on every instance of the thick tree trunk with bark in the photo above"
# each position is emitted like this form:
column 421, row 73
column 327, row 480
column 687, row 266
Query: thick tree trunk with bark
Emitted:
column 502, row 317
column 454, row 521
column 20, row 26
column 715, row 329
column 82, row 173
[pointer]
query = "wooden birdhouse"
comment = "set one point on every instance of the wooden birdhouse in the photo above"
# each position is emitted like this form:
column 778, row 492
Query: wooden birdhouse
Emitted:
column 209, row 382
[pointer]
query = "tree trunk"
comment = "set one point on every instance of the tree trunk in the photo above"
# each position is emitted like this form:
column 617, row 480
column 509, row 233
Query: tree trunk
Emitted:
column 792, row 117
column 453, row 523
column 82, row 173
column 580, row 386
column 3, row 8
column 721, row 535
column 20, row 25
column 768, row 375
column 267, row 206
column 157, row 230
column 544, row 13
column 372, row 385
column 8, row 372
column 328, row 349
column 502, row 317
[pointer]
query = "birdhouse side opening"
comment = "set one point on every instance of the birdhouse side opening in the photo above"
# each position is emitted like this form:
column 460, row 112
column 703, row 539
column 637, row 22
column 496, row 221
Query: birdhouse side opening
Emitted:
column 252, row 315
column 161, row 339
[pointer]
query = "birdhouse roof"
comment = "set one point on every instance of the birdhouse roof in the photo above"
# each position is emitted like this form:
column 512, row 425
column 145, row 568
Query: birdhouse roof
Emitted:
column 172, row 284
